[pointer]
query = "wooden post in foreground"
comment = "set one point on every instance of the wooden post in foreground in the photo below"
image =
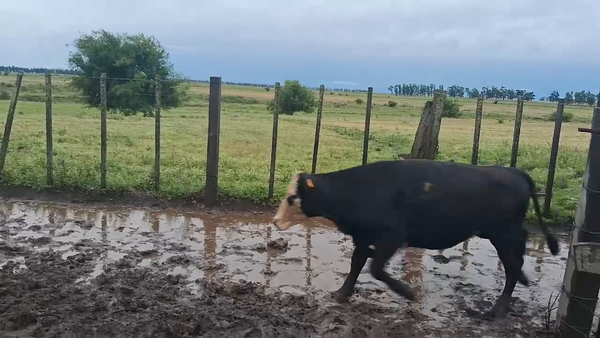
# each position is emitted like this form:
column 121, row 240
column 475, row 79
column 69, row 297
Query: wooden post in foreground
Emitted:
column 9, row 120
column 212, row 145
column 367, row 126
column 274, row 140
column 433, row 132
column 103, row 131
column 517, row 132
column 49, row 160
column 575, row 313
column 553, row 157
column 477, row 132
column 157, row 94
column 317, row 130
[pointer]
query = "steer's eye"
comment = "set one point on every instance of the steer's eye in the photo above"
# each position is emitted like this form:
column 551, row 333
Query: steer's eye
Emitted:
column 291, row 199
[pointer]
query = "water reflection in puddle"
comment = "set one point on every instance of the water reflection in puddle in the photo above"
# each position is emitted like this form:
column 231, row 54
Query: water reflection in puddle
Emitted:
column 317, row 257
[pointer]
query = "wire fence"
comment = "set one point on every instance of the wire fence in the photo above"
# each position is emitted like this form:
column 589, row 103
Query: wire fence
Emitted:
column 149, row 96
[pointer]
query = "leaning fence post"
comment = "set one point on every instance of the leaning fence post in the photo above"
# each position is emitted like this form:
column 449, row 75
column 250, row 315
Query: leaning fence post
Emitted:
column 517, row 132
column 433, row 132
column 318, row 130
column 49, row 161
column 553, row 156
column 367, row 125
column 477, row 132
column 581, row 280
column 103, row 132
column 212, row 153
column 274, row 140
column 9, row 120
column 157, row 93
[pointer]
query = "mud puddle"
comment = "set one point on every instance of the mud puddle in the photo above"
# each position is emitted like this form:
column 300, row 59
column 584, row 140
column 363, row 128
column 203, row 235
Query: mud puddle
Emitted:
column 70, row 271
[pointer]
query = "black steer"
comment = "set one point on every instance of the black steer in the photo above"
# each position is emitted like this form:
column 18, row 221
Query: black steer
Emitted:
column 419, row 203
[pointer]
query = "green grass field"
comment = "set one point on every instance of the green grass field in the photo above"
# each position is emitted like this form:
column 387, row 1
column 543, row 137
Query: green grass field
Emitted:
column 246, row 141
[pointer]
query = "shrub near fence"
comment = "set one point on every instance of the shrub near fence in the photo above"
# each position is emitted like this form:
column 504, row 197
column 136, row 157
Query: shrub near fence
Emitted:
column 230, row 173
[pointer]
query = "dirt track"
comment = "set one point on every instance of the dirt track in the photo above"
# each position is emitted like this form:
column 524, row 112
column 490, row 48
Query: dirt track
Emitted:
column 67, row 271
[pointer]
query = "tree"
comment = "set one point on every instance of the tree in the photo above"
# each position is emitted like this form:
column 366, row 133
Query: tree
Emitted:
column 569, row 98
column 131, row 63
column 294, row 97
column 554, row 96
column 590, row 98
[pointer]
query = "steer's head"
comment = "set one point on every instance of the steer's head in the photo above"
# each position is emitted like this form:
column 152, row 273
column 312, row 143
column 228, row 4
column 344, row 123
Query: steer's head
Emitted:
column 290, row 209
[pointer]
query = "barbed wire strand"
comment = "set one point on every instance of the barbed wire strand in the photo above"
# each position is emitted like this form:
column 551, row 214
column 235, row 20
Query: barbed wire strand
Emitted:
column 579, row 300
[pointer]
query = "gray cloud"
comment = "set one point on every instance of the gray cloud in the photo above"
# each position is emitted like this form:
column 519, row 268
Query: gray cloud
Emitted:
column 376, row 31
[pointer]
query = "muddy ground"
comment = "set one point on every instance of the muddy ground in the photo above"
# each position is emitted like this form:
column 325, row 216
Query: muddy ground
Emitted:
column 71, row 270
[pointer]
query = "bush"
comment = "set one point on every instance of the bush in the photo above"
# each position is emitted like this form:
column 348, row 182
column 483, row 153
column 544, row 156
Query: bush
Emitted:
column 267, row 89
column 4, row 95
column 294, row 97
column 567, row 116
column 359, row 101
column 392, row 104
column 5, row 73
column 451, row 108
column 495, row 101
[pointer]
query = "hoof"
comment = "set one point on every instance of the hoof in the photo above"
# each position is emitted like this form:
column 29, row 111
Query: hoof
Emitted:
column 341, row 297
column 410, row 296
column 500, row 309
column 523, row 279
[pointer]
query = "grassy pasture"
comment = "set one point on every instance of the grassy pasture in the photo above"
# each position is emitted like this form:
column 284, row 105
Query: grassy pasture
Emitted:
column 246, row 137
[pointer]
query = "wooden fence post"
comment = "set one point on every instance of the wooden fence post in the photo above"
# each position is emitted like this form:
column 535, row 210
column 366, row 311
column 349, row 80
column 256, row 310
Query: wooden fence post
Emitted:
column 103, row 131
column 214, row 131
column 318, row 130
column 517, row 132
column 49, row 160
column 157, row 94
column 367, row 125
column 553, row 156
column 9, row 121
column 477, row 132
column 575, row 313
column 274, row 140
column 433, row 132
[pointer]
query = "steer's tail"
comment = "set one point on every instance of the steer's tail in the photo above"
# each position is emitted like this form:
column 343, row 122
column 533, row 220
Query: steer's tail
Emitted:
column 552, row 242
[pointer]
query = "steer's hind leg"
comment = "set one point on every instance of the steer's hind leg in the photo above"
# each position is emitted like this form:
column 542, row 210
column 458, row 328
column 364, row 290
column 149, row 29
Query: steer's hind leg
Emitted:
column 383, row 252
column 510, row 252
column 359, row 258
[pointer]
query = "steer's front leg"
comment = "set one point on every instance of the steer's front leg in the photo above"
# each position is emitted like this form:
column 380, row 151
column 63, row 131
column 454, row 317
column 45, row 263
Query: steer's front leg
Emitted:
column 359, row 258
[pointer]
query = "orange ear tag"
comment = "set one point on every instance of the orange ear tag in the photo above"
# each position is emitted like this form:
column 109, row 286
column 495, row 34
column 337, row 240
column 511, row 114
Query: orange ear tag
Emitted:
column 309, row 183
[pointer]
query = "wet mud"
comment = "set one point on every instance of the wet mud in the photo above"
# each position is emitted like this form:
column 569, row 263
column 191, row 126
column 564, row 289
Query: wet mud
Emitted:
column 70, row 270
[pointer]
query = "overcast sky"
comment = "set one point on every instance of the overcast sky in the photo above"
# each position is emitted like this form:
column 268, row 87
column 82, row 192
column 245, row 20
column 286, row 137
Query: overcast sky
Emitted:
column 535, row 44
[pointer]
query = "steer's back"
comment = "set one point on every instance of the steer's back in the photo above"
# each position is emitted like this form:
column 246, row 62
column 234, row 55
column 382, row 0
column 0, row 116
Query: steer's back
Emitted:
column 429, row 194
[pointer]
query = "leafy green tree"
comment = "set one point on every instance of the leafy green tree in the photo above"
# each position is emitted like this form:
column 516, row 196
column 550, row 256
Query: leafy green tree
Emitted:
column 131, row 63
column 554, row 96
column 569, row 98
column 294, row 97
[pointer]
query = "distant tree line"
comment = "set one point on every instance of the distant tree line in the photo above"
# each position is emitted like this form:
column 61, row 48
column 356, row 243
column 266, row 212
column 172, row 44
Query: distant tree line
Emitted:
column 580, row 98
column 498, row 93
column 493, row 92
column 12, row 69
